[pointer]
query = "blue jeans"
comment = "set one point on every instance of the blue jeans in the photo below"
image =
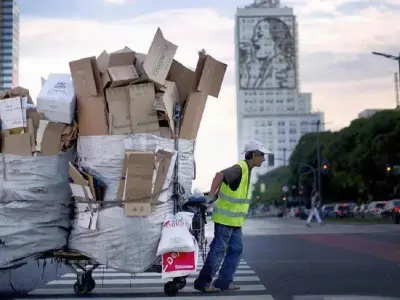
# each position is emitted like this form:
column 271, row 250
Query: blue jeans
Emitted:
column 226, row 248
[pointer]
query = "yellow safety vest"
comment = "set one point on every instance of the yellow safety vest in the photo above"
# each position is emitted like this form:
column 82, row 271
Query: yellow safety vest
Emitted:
column 232, row 206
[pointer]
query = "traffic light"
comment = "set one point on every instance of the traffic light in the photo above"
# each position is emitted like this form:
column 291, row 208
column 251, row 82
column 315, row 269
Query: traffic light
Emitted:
column 324, row 167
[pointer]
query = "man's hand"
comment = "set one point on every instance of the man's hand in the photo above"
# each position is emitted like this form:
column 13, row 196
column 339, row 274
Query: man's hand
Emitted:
column 211, row 199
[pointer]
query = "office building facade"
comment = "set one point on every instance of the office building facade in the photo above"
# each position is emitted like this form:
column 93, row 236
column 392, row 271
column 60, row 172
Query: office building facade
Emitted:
column 270, row 105
column 9, row 43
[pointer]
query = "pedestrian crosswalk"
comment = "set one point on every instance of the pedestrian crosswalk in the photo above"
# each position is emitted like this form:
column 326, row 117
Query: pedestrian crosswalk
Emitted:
column 112, row 284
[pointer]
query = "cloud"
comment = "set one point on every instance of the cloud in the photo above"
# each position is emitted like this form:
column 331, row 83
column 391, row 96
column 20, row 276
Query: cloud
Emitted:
column 335, row 61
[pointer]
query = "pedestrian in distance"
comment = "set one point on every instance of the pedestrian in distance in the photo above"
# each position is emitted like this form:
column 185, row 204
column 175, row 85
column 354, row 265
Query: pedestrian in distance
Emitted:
column 314, row 209
column 230, row 189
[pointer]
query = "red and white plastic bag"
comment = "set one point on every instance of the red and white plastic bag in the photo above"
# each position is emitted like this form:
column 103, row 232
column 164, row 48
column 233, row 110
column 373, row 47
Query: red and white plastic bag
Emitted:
column 175, row 235
column 179, row 264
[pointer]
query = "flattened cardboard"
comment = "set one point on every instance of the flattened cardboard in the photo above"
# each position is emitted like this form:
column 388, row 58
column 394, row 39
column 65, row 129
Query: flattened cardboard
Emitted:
column 17, row 144
column 85, row 77
column 209, row 75
column 159, row 58
column 139, row 176
column 163, row 163
column 192, row 115
column 143, row 117
column 92, row 116
column 51, row 142
column 118, row 108
column 170, row 98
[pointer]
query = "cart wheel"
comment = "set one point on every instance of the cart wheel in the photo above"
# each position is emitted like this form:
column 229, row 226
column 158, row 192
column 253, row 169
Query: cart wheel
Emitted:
column 171, row 288
column 80, row 289
column 180, row 281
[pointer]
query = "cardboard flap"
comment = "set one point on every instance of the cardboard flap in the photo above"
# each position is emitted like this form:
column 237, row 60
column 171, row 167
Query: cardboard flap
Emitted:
column 169, row 99
column 210, row 74
column 51, row 142
column 85, row 77
column 192, row 114
column 76, row 175
column 162, row 165
column 184, row 79
column 143, row 117
column 159, row 58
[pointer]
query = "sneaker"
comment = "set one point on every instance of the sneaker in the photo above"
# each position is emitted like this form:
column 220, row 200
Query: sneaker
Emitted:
column 233, row 287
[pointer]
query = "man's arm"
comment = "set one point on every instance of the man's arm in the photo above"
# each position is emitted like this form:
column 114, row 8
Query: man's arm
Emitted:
column 231, row 176
column 216, row 183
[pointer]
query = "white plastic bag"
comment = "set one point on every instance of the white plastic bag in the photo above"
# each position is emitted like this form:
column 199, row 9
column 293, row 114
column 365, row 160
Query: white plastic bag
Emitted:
column 179, row 264
column 175, row 235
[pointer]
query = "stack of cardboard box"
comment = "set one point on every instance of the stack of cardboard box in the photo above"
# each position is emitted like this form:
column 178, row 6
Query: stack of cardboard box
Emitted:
column 26, row 131
column 125, row 93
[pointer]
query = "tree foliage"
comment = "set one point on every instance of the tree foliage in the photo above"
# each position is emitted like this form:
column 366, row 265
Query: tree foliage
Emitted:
column 273, row 182
column 357, row 157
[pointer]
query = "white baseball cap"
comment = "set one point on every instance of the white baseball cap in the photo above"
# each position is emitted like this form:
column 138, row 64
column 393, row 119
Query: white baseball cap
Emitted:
column 255, row 145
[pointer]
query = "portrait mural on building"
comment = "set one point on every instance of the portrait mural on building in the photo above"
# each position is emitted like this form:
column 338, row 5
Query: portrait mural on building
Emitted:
column 266, row 52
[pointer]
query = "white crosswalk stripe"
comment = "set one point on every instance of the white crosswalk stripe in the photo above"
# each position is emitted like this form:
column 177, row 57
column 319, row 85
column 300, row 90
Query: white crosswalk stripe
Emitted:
column 112, row 284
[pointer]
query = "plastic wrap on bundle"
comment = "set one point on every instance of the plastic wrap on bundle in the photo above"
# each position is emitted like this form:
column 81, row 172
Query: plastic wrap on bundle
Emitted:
column 125, row 243
column 34, row 207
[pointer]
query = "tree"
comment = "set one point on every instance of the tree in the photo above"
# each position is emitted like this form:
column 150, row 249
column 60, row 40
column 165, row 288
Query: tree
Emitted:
column 273, row 182
column 362, row 150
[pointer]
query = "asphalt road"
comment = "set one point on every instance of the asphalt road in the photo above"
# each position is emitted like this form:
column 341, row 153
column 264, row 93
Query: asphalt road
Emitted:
column 335, row 259
column 292, row 260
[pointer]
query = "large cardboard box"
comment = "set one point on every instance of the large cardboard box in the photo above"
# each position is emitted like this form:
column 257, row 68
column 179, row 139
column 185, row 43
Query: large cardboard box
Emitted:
column 117, row 69
column 91, row 104
column 57, row 99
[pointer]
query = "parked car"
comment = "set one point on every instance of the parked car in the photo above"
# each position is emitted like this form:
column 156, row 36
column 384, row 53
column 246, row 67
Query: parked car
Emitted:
column 375, row 209
column 360, row 210
column 302, row 212
column 344, row 210
column 328, row 210
column 392, row 210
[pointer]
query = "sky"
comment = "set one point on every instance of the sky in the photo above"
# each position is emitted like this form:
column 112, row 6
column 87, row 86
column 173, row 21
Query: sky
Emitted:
column 336, row 64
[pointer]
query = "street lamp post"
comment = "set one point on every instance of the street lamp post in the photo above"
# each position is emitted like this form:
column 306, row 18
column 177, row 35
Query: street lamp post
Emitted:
column 396, row 58
column 319, row 162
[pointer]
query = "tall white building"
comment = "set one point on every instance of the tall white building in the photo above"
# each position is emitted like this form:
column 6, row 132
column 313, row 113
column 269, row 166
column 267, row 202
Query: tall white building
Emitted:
column 270, row 106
